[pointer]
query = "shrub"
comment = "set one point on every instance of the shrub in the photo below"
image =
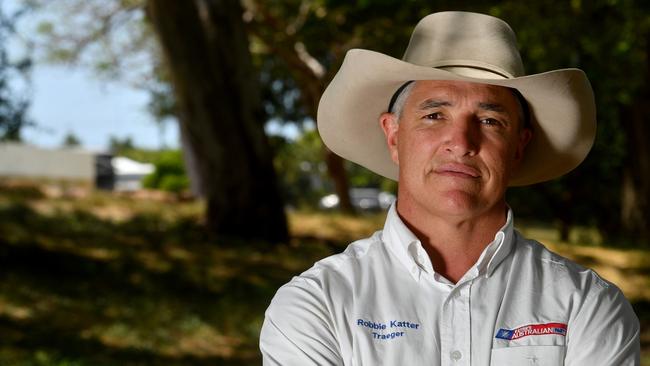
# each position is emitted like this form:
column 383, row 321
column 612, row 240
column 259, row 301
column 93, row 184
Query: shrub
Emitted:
column 169, row 174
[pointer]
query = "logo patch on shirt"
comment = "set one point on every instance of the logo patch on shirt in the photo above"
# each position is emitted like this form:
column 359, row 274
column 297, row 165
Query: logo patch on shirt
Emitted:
column 532, row 330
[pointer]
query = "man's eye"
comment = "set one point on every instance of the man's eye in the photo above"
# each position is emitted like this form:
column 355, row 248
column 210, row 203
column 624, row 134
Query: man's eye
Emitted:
column 491, row 122
column 435, row 115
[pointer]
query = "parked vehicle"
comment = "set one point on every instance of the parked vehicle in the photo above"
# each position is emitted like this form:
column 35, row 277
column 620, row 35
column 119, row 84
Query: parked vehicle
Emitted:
column 363, row 199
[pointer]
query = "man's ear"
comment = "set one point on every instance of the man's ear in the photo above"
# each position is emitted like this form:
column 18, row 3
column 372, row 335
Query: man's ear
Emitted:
column 389, row 125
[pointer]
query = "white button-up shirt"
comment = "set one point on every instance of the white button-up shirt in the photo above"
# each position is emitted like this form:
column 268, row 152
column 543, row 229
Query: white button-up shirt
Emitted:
column 381, row 303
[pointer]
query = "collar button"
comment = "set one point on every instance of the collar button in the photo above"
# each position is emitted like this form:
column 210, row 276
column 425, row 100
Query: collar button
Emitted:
column 456, row 355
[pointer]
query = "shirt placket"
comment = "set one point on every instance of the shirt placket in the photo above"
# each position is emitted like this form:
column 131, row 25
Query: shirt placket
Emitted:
column 455, row 341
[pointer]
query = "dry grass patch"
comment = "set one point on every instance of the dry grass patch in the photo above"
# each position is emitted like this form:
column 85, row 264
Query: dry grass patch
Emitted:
column 334, row 227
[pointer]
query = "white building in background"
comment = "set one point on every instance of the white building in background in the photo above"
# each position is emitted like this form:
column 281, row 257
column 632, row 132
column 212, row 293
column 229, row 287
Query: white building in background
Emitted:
column 129, row 173
column 74, row 164
column 26, row 161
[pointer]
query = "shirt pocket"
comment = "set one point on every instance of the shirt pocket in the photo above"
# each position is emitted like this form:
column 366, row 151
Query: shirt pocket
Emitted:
column 528, row 355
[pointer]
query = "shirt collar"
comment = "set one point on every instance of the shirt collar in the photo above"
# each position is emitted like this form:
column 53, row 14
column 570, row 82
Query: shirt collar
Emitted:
column 407, row 248
column 499, row 248
column 404, row 245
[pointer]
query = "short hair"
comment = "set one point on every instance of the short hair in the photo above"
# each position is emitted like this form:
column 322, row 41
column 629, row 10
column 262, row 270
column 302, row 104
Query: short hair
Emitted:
column 398, row 100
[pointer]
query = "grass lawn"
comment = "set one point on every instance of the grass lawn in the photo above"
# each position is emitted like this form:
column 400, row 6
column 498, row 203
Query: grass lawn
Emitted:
column 106, row 280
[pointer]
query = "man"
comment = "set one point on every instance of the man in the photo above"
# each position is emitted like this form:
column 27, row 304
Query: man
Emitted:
column 448, row 281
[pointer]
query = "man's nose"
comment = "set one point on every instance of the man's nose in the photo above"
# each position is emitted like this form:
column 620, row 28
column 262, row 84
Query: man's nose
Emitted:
column 462, row 137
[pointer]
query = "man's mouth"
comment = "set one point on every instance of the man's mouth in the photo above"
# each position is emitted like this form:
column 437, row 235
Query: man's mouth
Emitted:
column 457, row 170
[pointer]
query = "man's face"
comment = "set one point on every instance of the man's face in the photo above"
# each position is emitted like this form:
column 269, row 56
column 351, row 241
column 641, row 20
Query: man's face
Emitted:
column 456, row 145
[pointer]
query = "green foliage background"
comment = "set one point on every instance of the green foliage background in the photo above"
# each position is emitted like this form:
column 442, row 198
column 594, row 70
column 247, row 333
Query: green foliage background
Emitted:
column 169, row 174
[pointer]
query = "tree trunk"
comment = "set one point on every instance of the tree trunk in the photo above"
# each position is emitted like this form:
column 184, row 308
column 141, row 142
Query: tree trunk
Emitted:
column 635, row 191
column 338, row 174
column 335, row 164
column 206, row 47
column 565, row 230
column 311, row 84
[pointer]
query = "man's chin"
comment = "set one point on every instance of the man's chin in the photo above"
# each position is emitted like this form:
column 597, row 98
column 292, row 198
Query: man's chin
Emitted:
column 456, row 202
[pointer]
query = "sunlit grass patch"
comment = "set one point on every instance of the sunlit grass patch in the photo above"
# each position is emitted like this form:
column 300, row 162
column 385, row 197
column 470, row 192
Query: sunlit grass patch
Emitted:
column 14, row 311
column 335, row 227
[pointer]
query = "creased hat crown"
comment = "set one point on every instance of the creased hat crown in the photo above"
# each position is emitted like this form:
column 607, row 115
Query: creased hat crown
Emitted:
column 456, row 40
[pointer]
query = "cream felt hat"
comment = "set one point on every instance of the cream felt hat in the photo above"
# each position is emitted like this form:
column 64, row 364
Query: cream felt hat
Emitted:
column 467, row 47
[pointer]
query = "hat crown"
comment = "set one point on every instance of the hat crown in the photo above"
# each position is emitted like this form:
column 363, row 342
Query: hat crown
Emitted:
column 468, row 44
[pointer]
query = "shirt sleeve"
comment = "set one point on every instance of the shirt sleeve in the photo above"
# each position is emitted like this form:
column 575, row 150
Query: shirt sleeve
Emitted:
column 605, row 332
column 298, row 328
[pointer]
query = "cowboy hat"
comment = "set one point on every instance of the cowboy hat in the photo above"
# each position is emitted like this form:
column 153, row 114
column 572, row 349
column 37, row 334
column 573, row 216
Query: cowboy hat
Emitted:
column 465, row 47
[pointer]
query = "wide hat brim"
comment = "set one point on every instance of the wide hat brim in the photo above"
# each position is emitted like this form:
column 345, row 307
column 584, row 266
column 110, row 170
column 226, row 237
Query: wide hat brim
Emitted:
column 561, row 102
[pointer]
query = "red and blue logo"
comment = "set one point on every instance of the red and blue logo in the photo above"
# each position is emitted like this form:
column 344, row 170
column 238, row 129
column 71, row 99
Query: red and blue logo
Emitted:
column 531, row 330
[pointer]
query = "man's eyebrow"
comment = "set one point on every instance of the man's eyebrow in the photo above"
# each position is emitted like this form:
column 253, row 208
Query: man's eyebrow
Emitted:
column 494, row 107
column 433, row 103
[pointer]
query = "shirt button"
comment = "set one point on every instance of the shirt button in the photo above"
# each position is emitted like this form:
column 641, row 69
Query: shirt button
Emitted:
column 456, row 355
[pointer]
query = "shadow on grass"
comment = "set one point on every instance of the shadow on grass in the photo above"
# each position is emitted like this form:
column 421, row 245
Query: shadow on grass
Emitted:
column 642, row 310
column 66, row 344
column 88, row 291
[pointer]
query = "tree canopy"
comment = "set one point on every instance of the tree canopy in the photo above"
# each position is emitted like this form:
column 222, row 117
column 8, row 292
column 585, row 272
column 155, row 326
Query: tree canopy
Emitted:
column 13, row 101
